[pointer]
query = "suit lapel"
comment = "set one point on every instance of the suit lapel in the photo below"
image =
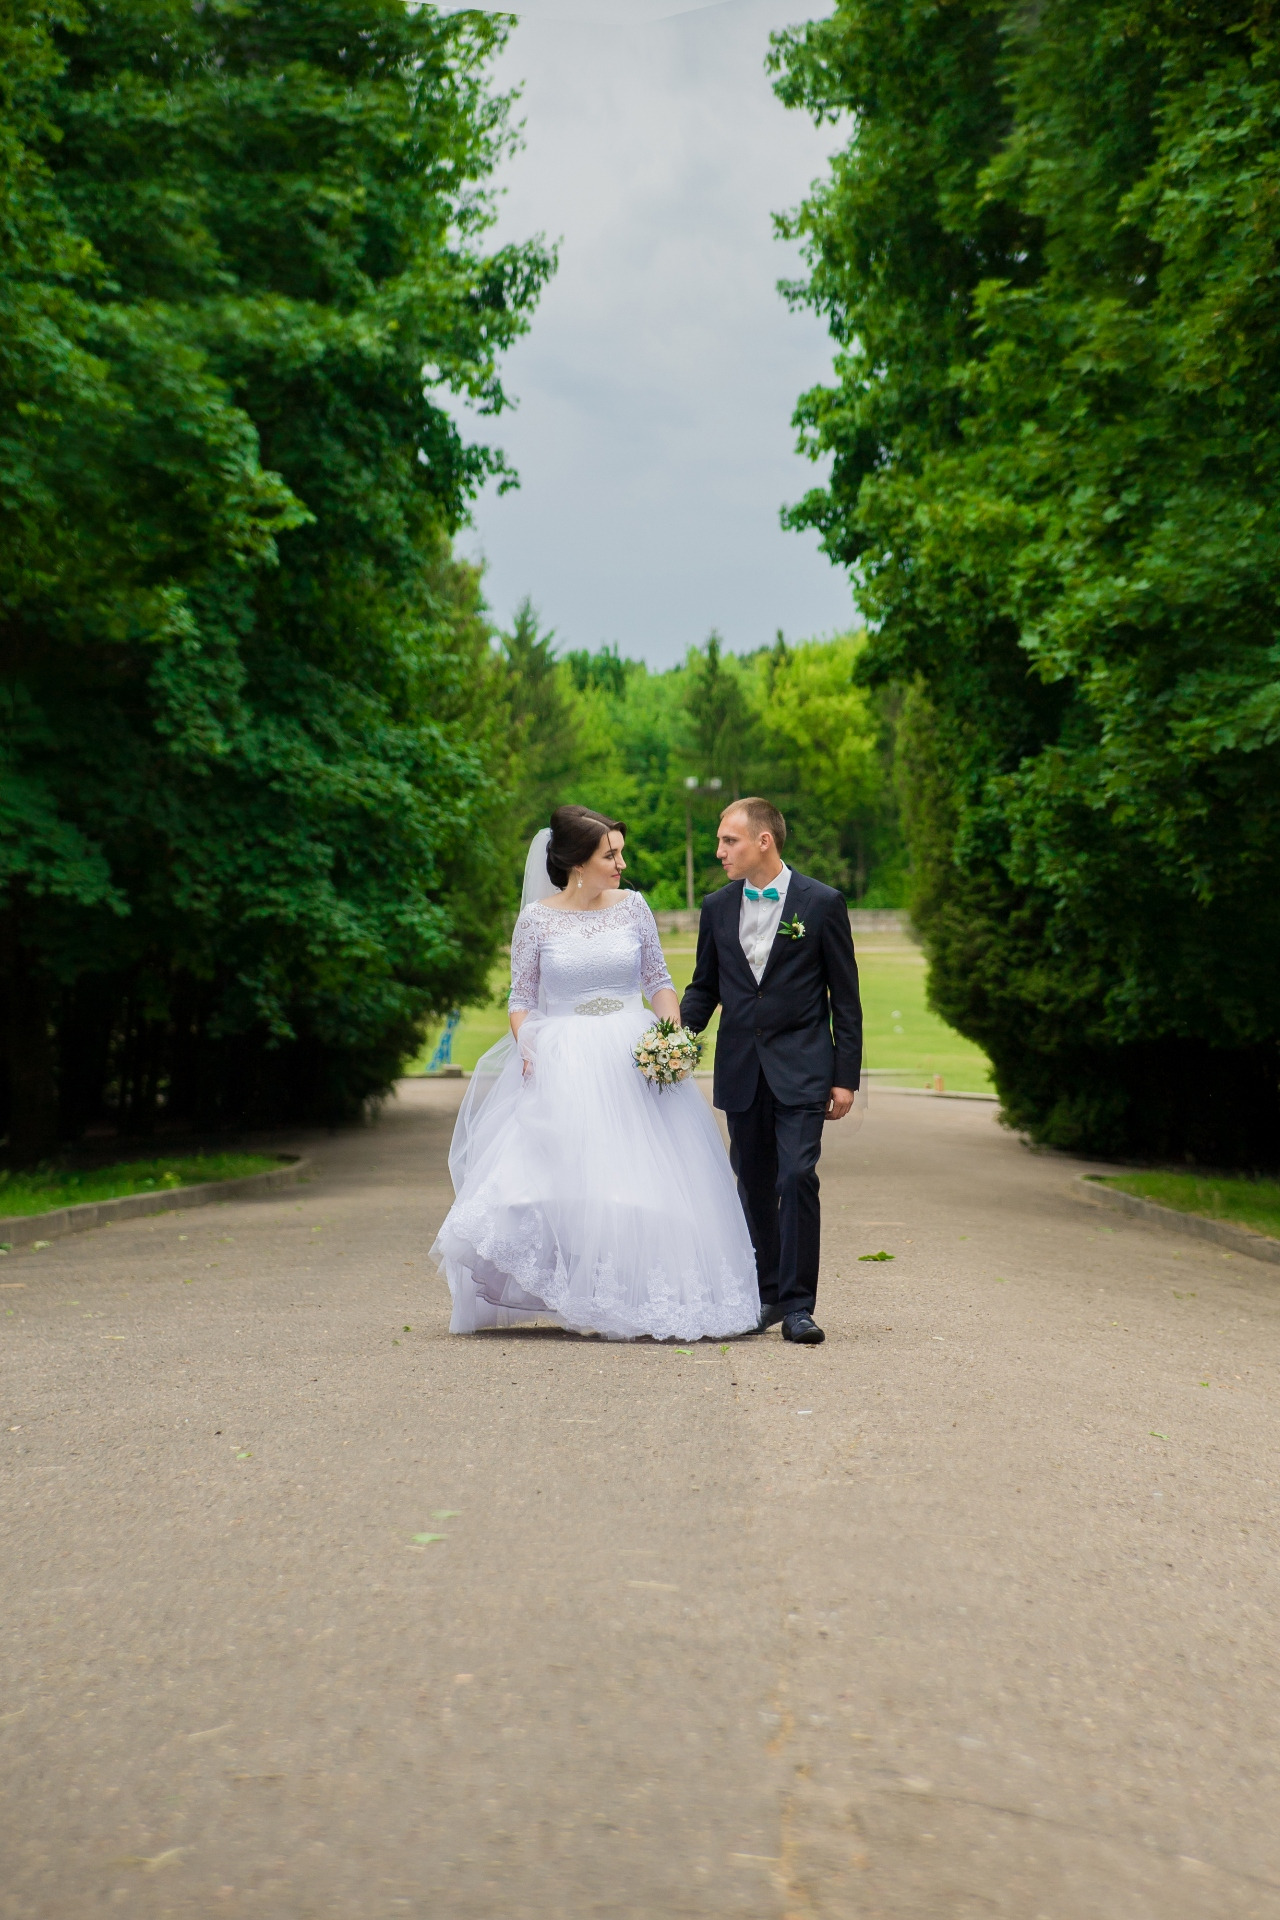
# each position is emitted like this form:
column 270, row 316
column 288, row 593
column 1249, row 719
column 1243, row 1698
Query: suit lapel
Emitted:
column 732, row 911
column 797, row 894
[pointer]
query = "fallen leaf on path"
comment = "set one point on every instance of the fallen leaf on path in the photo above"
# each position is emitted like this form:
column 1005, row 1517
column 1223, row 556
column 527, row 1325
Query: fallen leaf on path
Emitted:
column 447, row 1513
column 149, row 1864
column 425, row 1539
column 1158, row 1436
column 882, row 1255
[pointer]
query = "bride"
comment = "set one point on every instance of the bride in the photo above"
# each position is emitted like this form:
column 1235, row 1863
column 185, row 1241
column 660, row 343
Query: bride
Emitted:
column 584, row 1194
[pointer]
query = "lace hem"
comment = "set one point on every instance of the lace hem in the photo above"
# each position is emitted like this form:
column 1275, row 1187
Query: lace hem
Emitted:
column 666, row 1313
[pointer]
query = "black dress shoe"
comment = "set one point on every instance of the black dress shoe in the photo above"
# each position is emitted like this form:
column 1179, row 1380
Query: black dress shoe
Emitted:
column 802, row 1330
column 769, row 1317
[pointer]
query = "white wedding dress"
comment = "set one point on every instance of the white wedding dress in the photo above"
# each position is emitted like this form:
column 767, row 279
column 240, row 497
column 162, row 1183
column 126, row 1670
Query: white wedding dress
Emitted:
column 585, row 1195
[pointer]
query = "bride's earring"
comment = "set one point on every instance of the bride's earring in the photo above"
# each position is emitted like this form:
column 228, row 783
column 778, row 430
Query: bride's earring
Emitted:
column 579, row 883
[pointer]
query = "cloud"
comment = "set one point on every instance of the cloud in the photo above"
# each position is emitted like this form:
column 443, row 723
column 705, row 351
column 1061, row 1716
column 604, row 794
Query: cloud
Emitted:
column 655, row 390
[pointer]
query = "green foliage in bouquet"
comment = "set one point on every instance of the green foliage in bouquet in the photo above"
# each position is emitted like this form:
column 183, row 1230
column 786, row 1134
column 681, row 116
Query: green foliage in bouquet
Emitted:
column 254, row 733
column 1050, row 259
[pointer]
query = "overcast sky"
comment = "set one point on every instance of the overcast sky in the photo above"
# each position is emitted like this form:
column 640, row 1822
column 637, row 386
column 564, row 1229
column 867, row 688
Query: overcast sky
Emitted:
column 653, row 436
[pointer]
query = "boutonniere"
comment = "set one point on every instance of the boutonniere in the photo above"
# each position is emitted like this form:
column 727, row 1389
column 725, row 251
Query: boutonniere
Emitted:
column 794, row 929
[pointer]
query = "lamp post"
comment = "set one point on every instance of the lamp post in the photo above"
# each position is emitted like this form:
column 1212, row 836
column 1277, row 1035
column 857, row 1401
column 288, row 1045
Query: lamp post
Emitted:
column 692, row 787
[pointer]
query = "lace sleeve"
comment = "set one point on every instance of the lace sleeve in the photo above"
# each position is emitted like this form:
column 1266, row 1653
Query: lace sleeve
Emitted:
column 523, row 997
column 653, row 965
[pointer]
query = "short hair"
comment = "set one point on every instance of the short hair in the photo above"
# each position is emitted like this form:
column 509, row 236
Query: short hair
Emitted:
column 761, row 816
column 576, row 833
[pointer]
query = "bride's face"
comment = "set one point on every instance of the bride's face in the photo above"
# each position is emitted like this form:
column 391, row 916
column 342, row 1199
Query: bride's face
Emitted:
column 605, row 867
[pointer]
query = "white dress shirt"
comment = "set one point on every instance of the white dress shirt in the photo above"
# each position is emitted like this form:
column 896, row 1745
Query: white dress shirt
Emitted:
column 758, row 923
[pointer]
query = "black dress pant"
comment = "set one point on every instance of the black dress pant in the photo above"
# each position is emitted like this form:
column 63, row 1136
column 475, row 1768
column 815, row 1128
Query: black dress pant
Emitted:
column 774, row 1154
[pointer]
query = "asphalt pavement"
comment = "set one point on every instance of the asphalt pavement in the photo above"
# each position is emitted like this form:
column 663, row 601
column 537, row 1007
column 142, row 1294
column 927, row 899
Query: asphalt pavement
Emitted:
column 313, row 1612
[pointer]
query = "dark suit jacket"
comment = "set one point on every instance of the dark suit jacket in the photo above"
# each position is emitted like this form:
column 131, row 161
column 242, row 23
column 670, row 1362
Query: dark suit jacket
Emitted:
column 802, row 1025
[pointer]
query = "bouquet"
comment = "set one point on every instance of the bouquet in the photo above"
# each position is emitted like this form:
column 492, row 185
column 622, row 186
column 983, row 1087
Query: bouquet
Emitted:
column 667, row 1054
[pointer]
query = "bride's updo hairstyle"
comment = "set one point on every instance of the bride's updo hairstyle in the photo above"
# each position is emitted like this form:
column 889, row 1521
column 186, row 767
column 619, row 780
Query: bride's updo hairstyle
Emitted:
column 576, row 833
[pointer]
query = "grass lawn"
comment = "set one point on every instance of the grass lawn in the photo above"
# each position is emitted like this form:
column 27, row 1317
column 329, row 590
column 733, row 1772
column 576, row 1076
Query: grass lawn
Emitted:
column 906, row 1045
column 40, row 1192
column 1243, row 1202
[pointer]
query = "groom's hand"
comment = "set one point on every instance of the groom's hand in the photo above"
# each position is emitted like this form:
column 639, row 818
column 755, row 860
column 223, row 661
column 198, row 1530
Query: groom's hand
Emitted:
column 839, row 1104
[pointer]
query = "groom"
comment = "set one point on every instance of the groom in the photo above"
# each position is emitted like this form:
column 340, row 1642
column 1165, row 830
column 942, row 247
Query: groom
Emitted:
column 776, row 954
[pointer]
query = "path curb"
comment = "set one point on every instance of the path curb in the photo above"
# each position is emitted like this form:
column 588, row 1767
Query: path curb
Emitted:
column 22, row 1229
column 1240, row 1239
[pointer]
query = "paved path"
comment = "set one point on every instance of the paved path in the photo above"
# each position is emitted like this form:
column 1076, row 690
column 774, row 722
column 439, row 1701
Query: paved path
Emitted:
column 971, row 1612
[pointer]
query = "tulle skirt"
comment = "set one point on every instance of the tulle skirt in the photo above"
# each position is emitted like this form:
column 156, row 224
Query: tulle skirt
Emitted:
column 586, row 1196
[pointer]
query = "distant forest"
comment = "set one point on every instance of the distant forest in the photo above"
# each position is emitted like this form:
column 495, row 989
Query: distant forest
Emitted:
column 787, row 721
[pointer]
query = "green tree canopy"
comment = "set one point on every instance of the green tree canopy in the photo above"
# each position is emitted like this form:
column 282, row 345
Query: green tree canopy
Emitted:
column 253, row 735
column 1049, row 259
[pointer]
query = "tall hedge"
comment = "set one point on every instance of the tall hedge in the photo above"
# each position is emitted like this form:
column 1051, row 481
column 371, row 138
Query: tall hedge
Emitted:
column 252, row 733
column 1050, row 257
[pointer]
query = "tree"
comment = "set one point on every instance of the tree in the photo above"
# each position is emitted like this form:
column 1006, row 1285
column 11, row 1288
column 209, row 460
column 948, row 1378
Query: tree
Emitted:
column 604, row 669
column 720, row 715
column 563, row 750
column 1049, row 262
column 250, row 828
column 547, row 746
column 820, row 757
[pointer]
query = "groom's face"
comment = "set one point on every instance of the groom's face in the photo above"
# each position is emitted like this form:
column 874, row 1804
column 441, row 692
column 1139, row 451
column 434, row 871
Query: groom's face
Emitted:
column 741, row 852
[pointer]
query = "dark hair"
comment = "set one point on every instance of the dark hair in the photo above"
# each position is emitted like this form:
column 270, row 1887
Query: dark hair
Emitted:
column 761, row 816
column 576, row 832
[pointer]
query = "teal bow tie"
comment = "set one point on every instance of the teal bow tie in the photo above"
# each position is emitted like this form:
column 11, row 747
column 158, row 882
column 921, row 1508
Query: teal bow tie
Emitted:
column 770, row 893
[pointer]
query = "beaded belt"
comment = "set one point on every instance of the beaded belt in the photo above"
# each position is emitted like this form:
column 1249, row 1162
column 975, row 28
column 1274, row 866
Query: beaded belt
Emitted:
column 601, row 1005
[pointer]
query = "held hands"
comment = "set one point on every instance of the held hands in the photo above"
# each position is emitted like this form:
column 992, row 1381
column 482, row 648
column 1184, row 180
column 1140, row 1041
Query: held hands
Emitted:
column 666, row 1005
column 840, row 1102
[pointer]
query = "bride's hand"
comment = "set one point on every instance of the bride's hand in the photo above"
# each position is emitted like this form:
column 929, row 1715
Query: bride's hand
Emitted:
column 524, row 1032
